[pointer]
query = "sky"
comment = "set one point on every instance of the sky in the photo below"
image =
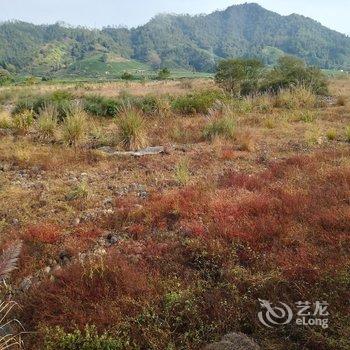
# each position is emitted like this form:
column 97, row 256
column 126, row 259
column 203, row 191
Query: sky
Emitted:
column 98, row 13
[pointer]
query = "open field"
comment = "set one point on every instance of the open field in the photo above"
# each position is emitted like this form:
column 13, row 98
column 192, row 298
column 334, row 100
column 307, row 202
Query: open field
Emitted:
column 249, row 199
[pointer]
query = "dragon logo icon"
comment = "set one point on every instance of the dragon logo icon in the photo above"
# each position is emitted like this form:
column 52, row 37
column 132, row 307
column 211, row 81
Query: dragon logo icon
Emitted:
column 274, row 315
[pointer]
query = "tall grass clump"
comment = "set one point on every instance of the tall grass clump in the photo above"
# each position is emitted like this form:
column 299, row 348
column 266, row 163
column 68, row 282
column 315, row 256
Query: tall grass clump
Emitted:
column 182, row 173
column 131, row 129
column 47, row 122
column 224, row 126
column 347, row 134
column 23, row 121
column 74, row 126
column 5, row 120
column 295, row 98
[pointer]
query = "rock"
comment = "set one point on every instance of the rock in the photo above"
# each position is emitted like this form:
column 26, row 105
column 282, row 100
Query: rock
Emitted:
column 76, row 221
column 234, row 341
column 4, row 167
column 26, row 283
column 108, row 202
column 64, row 258
column 112, row 239
column 47, row 269
column 140, row 153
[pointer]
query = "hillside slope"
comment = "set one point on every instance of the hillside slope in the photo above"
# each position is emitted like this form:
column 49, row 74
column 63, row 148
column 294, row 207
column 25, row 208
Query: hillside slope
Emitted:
column 191, row 42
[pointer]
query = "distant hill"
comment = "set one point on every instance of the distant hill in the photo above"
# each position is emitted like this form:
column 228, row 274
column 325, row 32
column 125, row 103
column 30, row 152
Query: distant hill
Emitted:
column 177, row 41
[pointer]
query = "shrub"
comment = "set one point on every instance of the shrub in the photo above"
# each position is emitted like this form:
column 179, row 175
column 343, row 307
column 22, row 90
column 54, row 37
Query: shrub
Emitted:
column 292, row 72
column 131, row 129
column 239, row 76
column 5, row 120
column 148, row 105
column 47, row 122
column 61, row 100
column 23, row 120
column 127, row 76
column 224, row 126
column 101, row 106
column 74, row 126
column 57, row 339
column 43, row 233
column 198, row 102
column 164, row 74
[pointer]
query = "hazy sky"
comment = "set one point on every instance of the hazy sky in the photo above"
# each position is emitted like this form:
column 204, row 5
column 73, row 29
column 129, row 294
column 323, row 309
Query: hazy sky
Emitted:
column 98, row 13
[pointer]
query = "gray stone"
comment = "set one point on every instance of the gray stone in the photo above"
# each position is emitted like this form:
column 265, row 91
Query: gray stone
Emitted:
column 26, row 283
column 234, row 341
column 140, row 153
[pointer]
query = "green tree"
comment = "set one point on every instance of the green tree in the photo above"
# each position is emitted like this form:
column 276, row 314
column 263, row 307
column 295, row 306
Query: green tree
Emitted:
column 164, row 74
column 291, row 71
column 127, row 76
column 239, row 76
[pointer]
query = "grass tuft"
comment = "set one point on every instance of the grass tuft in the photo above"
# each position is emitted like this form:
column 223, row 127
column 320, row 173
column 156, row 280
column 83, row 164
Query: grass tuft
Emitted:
column 131, row 129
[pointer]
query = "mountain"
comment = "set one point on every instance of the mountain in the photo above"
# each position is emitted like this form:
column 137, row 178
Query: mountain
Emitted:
column 183, row 41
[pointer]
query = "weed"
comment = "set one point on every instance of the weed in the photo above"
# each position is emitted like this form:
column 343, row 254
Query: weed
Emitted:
column 331, row 134
column 182, row 173
column 223, row 127
column 78, row 192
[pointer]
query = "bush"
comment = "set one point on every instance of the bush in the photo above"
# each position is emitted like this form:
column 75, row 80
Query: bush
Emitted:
column 239, row 76
column 101, row 106
column 292, row 72
column 247, row 76
column 224, row 126
column 198, row 102
column 74, row 126
column 61, row 100
column 131, row 126
column 47, row 122
column 127, row 76
column 58, row 339
column 164, row 74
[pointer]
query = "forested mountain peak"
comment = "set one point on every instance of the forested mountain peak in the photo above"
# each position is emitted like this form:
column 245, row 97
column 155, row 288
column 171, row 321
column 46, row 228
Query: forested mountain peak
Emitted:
column 191, row 42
